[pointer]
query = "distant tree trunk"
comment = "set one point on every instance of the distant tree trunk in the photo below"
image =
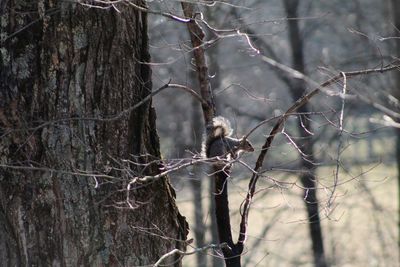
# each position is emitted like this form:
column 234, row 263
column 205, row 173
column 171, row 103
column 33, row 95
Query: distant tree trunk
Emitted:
column 305, row 142
column 197, row 187
column 61, row 60
column 396, row 17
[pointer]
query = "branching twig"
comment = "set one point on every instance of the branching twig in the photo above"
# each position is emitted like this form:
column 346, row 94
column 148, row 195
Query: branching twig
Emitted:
column 183, row 253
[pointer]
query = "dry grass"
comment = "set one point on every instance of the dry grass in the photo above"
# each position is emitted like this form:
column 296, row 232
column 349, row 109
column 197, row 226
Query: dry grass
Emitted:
column 360, row 229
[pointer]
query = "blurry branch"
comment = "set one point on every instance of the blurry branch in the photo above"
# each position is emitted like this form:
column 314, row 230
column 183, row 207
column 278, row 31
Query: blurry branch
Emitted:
column 298, row 75
column 278, row 126
column 177, row 86
column 263, row 121
column 183, row 253
column 385, row 121
column 268, row 49
column 389, row 112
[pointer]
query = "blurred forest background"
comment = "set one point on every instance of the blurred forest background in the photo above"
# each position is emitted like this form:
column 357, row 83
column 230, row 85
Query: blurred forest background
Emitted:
column 353, row 143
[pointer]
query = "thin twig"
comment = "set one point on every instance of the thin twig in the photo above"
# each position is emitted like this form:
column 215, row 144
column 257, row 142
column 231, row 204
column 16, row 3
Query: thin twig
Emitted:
column 183, row 253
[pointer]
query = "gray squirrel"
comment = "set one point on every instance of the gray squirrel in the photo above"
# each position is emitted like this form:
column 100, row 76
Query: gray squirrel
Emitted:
column 219, row 143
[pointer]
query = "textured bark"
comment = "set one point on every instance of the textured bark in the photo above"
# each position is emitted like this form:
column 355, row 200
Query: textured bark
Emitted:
column 60, row 60
column 298, row 89
column 196, row 36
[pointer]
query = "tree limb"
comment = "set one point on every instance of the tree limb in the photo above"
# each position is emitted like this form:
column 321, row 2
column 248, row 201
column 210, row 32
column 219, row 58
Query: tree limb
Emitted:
column 196, row 36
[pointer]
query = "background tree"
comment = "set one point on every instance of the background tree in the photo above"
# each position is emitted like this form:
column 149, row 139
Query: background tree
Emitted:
column 71, row 143
column 306, row 144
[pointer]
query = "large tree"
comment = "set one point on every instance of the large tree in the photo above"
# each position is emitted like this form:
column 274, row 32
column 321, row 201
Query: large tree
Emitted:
column 70, row 143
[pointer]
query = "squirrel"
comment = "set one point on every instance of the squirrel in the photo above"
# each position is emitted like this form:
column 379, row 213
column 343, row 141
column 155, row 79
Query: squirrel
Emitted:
column 218, row 141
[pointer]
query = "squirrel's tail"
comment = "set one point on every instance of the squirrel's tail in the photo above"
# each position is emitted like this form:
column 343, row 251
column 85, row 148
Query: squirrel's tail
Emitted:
column 219, row 128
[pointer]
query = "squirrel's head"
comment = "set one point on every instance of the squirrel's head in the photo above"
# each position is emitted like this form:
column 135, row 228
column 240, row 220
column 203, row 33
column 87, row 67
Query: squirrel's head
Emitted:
column 245, row 145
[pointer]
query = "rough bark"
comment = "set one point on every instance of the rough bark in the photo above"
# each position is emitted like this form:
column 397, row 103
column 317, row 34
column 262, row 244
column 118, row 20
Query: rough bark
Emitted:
column 60, row 60
column 305, row 143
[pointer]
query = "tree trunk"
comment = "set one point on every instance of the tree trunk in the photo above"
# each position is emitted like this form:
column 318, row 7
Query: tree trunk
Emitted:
column 63, row 178
column 213, row 54
column 232, row 253
column 298, row 89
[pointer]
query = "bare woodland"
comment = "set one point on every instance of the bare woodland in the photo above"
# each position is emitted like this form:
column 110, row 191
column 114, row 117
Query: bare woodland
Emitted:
column 105, row 105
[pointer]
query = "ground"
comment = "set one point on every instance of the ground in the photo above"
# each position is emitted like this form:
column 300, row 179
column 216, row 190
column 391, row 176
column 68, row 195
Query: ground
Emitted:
column 360, row 226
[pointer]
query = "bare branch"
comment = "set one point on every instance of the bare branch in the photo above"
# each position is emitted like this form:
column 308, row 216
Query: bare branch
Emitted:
column 107, row 4
column 183, row 253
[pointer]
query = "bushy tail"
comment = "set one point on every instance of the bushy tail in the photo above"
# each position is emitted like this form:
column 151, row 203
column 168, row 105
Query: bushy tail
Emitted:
column 219, row 128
